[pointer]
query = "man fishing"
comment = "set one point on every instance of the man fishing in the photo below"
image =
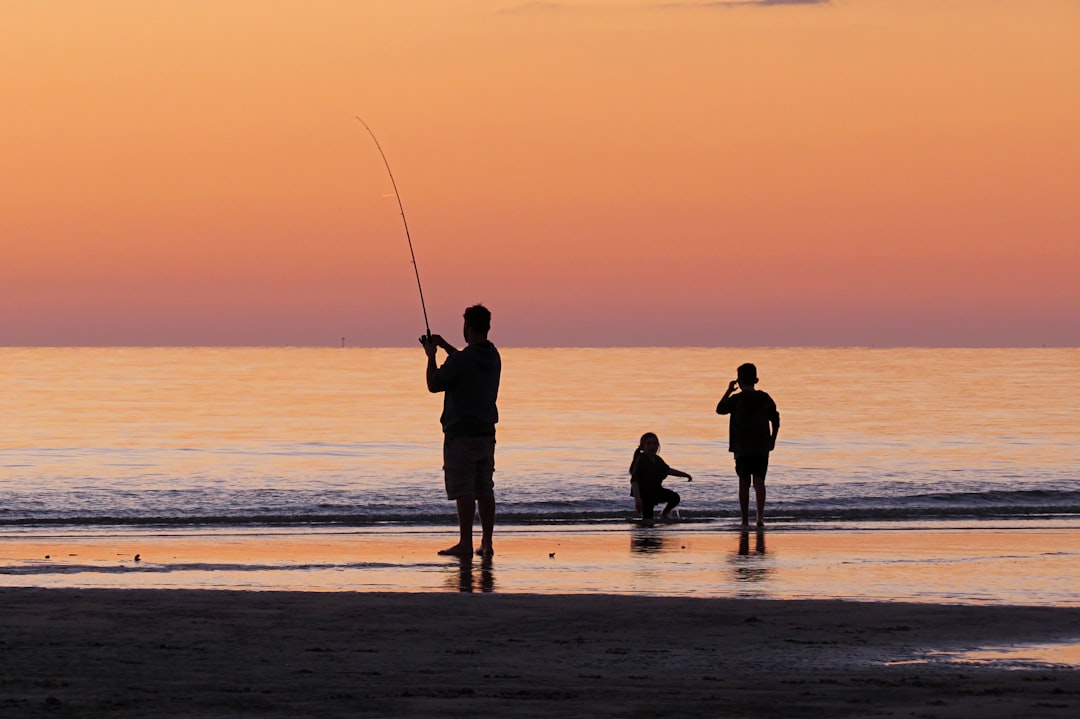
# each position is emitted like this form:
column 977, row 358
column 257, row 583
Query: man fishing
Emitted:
column 469, row 381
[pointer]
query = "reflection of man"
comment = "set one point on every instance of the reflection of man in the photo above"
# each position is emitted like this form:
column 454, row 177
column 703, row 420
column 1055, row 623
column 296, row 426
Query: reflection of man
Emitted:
column 467, row 580
column 469, row 381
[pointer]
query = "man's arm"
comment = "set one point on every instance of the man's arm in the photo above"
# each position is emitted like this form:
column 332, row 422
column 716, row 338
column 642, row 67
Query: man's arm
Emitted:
column 431, row 368
column 449, row 348
column 431, row 344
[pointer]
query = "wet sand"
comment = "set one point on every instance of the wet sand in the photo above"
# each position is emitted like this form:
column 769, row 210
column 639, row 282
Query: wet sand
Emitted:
column 969, row 565
column 182, row 653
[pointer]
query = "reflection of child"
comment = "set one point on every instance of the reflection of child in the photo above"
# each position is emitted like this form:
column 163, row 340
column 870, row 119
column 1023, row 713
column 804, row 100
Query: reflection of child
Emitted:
column 647, row 473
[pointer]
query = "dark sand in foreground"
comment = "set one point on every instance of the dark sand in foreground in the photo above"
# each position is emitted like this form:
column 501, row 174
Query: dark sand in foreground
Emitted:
column 162, row 653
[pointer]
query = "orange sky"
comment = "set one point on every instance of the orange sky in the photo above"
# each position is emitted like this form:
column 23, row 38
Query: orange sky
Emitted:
column 889, row 172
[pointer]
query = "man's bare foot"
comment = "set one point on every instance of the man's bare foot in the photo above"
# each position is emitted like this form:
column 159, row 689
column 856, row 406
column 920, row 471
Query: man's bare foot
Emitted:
column 485, row 551
column 458, row 550
column 760, row 522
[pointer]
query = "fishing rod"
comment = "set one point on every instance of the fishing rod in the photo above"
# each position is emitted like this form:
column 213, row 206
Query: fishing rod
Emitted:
column 412, row 255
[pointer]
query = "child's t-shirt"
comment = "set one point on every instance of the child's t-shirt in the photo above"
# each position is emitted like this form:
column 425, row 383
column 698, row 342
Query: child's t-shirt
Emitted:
column 749, row 431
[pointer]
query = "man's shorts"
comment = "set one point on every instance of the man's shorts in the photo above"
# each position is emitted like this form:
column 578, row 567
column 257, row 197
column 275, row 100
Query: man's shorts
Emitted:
column 752, row 464
column 468, row 464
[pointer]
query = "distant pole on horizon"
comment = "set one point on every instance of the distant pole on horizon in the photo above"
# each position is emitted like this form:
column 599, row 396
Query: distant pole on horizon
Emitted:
column 342, row 343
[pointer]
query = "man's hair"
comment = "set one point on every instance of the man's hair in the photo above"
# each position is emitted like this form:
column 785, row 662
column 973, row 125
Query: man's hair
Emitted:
column 479, row 318
column 747, row 371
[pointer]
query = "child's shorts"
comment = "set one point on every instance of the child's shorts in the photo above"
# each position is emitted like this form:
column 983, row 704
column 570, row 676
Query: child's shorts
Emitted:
column 752, row 464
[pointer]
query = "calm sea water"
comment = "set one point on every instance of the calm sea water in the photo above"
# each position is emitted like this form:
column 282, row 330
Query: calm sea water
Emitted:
column 350, row 437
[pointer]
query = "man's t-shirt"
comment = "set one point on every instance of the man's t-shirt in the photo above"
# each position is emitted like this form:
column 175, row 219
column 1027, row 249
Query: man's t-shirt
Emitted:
column 469, row 380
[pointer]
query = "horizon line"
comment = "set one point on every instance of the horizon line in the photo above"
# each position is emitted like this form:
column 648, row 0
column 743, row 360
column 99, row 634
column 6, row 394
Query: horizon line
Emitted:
column 551, row 347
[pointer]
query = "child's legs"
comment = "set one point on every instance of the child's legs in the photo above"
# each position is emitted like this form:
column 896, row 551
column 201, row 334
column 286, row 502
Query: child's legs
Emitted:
column 744, row 497
column 759, row 491
column 751, row 470
column 759, row 486
column 672, row 499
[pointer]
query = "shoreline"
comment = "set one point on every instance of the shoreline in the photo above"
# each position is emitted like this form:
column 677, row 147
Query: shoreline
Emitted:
column 988, row 565
column 137, row 653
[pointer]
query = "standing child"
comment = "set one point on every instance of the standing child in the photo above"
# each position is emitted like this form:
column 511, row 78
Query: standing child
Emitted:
column 752, row 431
column 647, row 473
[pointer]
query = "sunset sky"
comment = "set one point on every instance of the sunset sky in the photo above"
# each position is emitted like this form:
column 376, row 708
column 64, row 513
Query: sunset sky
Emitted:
column 602, row 172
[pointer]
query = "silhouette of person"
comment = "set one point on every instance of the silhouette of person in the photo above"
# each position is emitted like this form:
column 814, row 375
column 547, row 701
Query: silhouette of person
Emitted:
column 469, row 381
column 752, row 428
column 647, row 473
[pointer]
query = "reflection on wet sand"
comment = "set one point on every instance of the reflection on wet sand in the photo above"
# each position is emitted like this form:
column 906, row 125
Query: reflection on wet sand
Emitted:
column 646, row 543
column 472, row 576
column 750, row 566
column 1063, row 655
column 744, row 542
column 967, row 566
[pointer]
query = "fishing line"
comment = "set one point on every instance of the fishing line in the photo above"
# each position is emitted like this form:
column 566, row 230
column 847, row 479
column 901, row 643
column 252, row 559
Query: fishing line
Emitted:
column 412, row 255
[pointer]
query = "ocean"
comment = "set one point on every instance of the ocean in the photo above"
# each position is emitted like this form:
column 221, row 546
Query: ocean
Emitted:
column 944, row 475
column 350, row 437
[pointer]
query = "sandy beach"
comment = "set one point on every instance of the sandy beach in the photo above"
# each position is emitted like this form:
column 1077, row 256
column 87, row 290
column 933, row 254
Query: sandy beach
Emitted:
column 681, row 620
column 173, row 653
